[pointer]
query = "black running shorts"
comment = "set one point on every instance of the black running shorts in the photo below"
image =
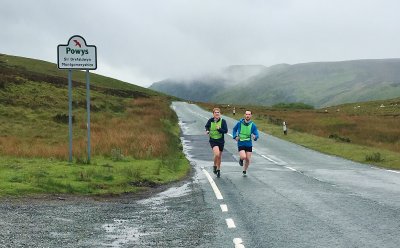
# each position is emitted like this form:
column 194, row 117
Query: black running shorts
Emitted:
column 245, row 148
column 220, row 146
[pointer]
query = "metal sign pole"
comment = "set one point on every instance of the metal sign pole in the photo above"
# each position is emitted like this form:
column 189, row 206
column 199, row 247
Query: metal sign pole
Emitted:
column 70, row 113
column 88, row 112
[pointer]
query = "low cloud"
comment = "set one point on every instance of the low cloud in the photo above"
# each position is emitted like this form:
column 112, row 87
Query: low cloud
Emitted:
column 146, row 41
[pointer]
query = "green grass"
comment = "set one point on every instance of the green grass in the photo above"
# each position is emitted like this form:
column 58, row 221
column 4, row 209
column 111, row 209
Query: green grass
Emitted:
column 22, row 176
column 358, row 153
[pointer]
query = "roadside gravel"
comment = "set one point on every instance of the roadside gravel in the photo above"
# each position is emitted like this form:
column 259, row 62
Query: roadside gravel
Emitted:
column 176, row 217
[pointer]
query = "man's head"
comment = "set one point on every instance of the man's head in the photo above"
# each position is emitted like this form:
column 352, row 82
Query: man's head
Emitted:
column 247, row 115
column 217, row 113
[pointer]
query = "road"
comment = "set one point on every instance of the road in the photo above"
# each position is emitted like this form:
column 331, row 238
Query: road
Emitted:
column 293, row 196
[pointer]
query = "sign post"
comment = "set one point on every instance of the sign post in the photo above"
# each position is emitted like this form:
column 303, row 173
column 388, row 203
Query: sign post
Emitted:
column 88, row 112
column 77, row 55
column 70, row 113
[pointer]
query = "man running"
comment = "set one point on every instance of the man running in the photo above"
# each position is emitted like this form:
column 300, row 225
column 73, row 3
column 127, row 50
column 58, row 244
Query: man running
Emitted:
column 243, row 132
column 216, row 128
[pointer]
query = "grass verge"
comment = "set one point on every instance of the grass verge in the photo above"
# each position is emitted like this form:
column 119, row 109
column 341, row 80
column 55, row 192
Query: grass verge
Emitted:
column 103, row 176
column 387, row 159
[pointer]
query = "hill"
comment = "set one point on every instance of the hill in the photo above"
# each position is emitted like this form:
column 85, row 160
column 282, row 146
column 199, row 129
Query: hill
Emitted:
column 204, row 87
column 134, row 133
column 34, row 98
column 319, row 84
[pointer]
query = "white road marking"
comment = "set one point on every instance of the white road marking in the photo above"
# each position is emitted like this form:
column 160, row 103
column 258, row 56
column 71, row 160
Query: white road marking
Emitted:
column 224, row 207
column 290, row 168
column 238, row 243
column 230, row 223
column 274, row 159
column 213, row 185
column 267, row 158
column 198, row 114
column 376, row 168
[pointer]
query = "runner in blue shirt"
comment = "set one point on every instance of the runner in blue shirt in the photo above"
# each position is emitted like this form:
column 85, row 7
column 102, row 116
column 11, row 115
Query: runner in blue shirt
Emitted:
column 244, row 132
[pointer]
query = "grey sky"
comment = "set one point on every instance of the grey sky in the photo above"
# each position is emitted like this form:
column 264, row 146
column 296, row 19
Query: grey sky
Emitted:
column 149, row 40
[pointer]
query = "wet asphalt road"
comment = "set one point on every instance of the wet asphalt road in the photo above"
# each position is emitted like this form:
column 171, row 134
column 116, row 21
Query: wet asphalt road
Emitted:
column 292, row 197
column 295, row 197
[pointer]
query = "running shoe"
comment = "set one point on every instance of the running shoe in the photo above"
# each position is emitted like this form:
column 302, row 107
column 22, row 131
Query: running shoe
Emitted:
column 244, row 173
column 240, row 162
column 215, row 169
column 218, row 173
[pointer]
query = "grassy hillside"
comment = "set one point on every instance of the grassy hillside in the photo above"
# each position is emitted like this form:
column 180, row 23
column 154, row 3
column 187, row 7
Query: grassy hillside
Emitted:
column 323, row 84
column 46, row 70
column 193, row 90
column 319, row 84
column 205, row 87
column 366, row 132
column 134, row 133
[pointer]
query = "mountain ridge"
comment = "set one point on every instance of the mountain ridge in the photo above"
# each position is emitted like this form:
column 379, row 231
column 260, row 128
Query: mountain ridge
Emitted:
column 319, row 84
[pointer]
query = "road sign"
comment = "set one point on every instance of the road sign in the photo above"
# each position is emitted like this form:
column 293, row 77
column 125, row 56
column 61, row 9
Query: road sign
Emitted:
column 77, row 55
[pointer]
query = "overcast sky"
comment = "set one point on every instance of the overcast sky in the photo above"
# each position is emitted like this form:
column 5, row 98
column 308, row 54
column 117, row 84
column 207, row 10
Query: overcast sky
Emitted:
column 143, row 41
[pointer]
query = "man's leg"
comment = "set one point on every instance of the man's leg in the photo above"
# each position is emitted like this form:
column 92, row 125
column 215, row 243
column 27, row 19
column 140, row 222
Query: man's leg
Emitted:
column 217, row 160
column 242, row 154
column 247, row 161
column 217, row 157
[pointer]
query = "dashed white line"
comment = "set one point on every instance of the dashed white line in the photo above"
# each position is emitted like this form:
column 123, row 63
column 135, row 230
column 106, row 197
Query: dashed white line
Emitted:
column 230, row 223
column 290, row 168
column 238, row 243
column 267, row 158
column 198, row 114
column 213, row 185
column 224, row 207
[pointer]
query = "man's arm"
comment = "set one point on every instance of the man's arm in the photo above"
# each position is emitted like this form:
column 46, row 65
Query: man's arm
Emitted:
column 235, row 129
column 254, row 131
column 208, row 125
column 224, row 127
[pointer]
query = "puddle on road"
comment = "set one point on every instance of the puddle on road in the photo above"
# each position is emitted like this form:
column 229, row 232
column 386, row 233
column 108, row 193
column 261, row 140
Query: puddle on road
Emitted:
column 169, row 193
column 119, row 233
column 183, row 126
column 186, row 147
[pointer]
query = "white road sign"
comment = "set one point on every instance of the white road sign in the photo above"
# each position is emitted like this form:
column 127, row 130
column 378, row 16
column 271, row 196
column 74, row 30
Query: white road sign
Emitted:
column 77, row 55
